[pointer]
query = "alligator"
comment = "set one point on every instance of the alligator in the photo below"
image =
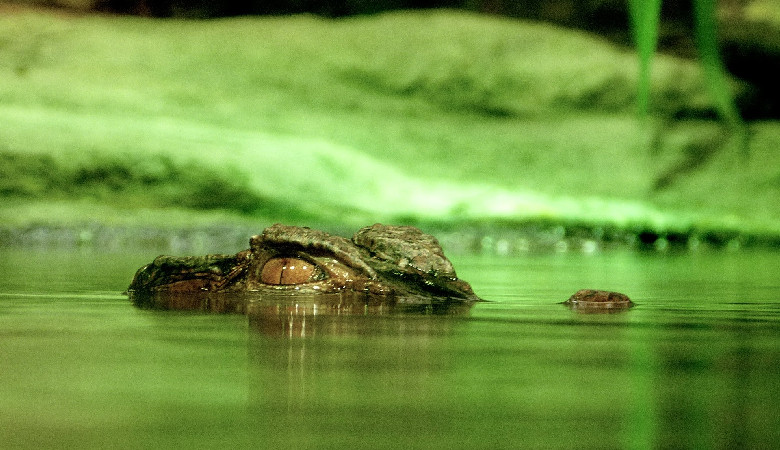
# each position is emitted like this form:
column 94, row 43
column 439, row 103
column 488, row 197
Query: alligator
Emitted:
column 390, row 266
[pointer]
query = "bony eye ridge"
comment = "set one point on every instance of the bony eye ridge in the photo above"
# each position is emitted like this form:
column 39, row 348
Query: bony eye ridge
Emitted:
column 285, row 271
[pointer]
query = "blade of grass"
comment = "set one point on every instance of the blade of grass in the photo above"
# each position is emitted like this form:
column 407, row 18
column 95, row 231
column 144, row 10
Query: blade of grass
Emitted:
column 714, row 71
column 645, row 17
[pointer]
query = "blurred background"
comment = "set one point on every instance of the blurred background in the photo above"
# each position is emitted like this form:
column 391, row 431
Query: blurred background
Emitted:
column 528, row 136
column 173, row 123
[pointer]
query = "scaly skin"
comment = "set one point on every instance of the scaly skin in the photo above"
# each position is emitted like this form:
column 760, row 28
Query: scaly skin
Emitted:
column 381, row 264
column 593, row 300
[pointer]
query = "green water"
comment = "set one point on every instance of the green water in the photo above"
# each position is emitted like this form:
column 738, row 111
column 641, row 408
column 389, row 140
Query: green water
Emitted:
column 693, row 365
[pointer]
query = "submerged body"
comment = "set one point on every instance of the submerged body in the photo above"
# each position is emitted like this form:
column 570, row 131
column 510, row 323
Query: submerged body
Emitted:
column 393, row 265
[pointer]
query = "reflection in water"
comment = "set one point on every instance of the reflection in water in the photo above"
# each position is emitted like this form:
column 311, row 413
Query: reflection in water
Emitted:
column 704, row 380
column 692, row 365
column 706, row 398
column 304, row 316
column 312, row 354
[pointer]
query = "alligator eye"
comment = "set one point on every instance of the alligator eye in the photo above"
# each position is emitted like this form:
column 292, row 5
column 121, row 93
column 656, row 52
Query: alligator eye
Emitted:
column 288, row 271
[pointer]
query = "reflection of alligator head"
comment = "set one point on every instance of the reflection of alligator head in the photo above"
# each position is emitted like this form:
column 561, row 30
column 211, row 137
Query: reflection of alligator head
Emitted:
column 387, row 265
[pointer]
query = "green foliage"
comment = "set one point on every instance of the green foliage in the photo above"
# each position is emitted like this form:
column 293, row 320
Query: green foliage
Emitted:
column 351, row 119
column 646, row 15
column 156, row 180
column 717, row 80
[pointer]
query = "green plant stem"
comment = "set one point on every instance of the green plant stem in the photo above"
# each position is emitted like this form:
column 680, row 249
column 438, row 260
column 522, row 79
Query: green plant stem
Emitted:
column 714, row 71
column 645, row 16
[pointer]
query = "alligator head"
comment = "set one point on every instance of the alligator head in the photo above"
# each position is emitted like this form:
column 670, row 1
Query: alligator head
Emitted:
column 380, row 265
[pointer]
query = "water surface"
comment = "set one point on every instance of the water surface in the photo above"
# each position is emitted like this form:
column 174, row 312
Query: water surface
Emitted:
column 694, row 364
